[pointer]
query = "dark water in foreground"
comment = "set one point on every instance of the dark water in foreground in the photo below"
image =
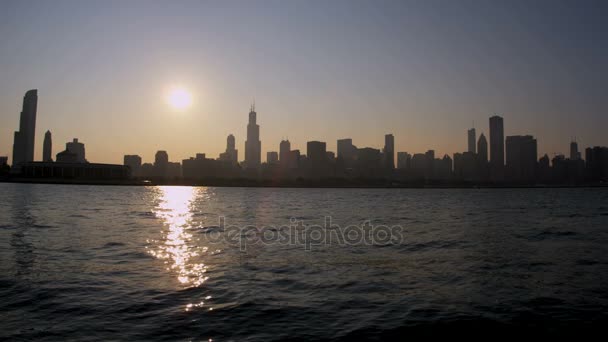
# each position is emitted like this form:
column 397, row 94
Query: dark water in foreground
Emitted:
column 153, row 263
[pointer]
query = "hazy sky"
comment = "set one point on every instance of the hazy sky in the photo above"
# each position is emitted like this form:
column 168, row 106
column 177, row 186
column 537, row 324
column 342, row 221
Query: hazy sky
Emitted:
column 318, row 70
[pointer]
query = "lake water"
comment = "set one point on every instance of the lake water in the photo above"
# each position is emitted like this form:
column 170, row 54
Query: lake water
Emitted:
column 254, row 264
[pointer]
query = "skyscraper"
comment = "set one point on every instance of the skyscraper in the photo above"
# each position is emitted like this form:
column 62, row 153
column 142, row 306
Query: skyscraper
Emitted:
column 497, row 148
column 134, row 163
column 389, row 151
column 482, row 149
column 253, row 145
column 574, row 153
column 232, row 154
column 284, row 148
column 161, row 164
column 521, row 158
column 403, row 160
column 47, row 148
column 471, row 135
column 272, row 157
column 23, row 144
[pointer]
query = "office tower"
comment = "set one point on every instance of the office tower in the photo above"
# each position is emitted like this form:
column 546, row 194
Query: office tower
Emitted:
column 419, row 166
column 347, row 152
column 442, row 168
column 482, row 149
column 47, row 147
column 161, row 164
column 596, row 163
column 389, row 151
column 284, row 148
column 574, row 153
column 471, row 135
column 316, row 154
column 3, row 161
column 521, row 158
column 272, row 157
column 78, row 149
column 253, row 145
column 231, row 154
column 23, row 144
column 403, row 160
column 430, row 163
column 316, row 151
column 134, row 163
column 497, row 148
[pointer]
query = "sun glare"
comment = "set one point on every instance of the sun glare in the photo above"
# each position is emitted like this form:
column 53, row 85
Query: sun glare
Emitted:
column 179, row 98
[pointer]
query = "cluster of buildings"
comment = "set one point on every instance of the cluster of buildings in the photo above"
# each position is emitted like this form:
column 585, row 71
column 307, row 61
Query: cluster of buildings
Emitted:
column 496, row 159
column 69, row 163
column 511, row 159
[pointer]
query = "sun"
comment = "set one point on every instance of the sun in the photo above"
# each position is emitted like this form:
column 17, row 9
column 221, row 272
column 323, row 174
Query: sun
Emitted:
column 179, row 98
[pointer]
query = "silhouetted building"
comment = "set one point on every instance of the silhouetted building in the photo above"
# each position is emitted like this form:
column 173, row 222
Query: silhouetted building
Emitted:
column 482, row 148
column 232, row 154
column 75, row 171
column 430, row 163
column 497, row 148
column 347, row 152
column 161, row 164
column 23, row 144
column 521, row 158
column 67, row 156
column 147, row 170
column 596, row 167
column 482, row 158
column 284, row 149
column 567, row 170
column 174, row 170
column 471, row 140
column 443, row 168
column 134, row 163
column 200, row 167
column 419, row 166
column 4, row 168
column 78, row 149
column 389, row 152
column 403, row 160
column 544, row 169
column 574, row 153
column 272, row 157
column 253, row 145
column 369, row 163
column 466, row 166
column 293, row 160
column 318, row 163
column 47, row 147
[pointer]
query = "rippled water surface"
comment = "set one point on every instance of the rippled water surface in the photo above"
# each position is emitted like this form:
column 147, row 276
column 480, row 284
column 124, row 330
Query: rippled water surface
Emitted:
column 156, row 263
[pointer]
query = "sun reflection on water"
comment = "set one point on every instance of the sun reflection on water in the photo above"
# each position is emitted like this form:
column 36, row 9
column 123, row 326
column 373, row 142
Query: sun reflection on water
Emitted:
column 177, row 247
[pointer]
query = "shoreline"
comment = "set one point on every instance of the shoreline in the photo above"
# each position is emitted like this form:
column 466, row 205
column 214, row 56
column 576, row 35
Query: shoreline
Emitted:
column 302, row 184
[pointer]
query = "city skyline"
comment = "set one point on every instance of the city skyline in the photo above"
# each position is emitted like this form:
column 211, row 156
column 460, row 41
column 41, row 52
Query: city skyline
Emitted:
column 495, row 155
column 332, row 71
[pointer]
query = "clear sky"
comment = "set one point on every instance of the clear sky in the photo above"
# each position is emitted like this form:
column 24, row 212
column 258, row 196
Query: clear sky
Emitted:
column 318, row 70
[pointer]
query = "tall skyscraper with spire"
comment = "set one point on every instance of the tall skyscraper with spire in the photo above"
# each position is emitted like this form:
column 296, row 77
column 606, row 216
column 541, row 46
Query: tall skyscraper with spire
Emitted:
column 472, row 138
column 47, row 147
column 23, row 144
column 253, row 145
